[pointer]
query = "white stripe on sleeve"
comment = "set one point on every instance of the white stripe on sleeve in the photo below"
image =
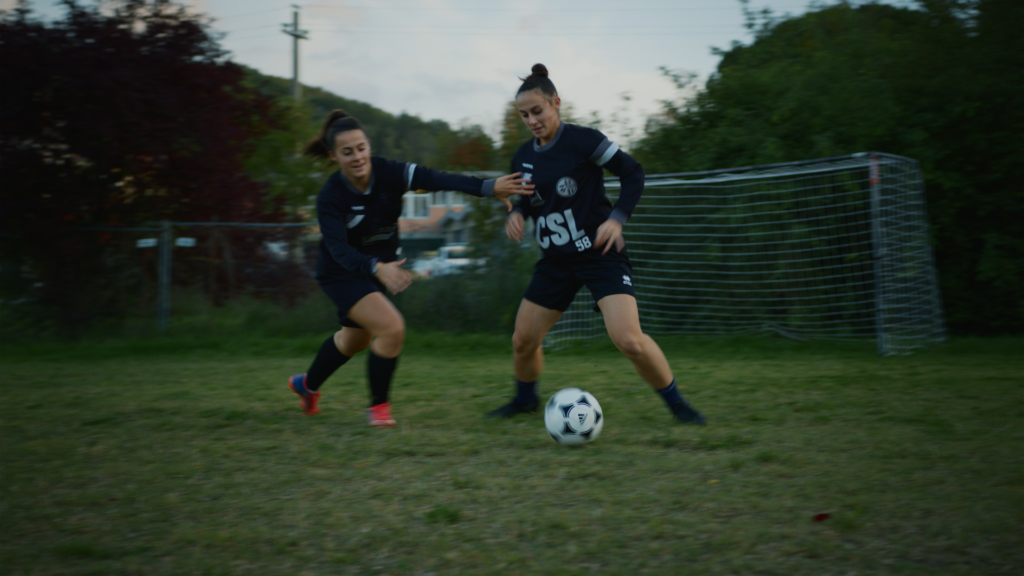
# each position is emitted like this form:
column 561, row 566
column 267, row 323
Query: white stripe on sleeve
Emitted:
column 410, row 169
column 608, row 154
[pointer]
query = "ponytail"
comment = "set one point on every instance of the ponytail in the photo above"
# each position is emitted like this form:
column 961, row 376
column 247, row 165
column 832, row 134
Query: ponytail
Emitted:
column 322, row 145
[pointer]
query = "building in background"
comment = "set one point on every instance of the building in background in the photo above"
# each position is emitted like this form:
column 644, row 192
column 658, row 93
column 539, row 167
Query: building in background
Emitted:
column 431, row 220
column 434, row 219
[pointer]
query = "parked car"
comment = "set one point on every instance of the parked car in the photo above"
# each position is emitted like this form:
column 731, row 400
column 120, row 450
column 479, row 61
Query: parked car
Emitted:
column 450, row 259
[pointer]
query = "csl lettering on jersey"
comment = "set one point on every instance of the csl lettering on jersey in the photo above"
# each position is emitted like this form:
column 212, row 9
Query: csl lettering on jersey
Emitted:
column 559, row 228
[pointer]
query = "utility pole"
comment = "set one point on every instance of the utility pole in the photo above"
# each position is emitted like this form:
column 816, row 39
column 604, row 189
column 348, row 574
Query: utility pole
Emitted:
column 296, row 34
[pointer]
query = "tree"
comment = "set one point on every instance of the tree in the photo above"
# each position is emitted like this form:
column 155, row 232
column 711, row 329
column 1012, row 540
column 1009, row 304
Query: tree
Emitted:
column 277, row 163
column 403, row 137
column 468, row 149
column 514, row 133
column 114, row 119
column 943, row 84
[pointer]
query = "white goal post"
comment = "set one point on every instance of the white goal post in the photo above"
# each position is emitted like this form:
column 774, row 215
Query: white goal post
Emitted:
column 833, row 249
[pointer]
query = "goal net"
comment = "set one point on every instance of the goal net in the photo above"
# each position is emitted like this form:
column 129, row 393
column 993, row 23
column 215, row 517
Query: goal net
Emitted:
column 834, row 249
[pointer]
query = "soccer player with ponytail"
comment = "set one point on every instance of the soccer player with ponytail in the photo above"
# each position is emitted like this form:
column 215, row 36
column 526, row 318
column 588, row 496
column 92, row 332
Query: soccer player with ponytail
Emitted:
column 358, row 210
column 580, row 234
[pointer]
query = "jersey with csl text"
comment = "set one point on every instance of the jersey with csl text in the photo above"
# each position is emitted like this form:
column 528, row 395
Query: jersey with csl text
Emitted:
column 569, row 202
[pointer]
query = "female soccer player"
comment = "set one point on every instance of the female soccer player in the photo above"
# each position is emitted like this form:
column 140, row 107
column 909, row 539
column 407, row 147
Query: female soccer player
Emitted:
column 576, row 226
column 358, row 209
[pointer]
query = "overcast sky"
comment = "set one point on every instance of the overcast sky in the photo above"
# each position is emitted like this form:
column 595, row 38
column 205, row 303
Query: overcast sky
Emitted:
column 457, row 60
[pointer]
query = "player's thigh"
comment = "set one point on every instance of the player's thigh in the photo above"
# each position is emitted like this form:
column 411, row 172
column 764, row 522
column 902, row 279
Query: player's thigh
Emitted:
column 350, row 340
column 533, row 321
column 621, row 318
column 377, row 315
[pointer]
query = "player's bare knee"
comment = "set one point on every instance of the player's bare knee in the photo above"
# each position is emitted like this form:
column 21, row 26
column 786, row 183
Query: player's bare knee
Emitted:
column 350, row 345
column 524, row 344
column 631, row 345
column 389, row 335
column 388, row 345
column 394, row 332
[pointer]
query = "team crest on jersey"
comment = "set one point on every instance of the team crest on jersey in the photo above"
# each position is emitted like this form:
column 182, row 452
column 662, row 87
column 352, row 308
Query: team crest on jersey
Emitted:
column 566, row 187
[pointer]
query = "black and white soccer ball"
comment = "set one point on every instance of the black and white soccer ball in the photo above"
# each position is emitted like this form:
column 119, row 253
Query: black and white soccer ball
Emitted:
column 573, row 417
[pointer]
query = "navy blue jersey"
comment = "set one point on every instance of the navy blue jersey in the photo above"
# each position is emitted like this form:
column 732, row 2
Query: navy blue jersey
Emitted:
column 569, row 201
column 360, row 228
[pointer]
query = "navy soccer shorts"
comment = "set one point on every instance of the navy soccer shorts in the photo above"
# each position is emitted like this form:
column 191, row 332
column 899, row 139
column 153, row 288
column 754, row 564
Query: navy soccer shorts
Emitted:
column 346, row 291
column 557, row 279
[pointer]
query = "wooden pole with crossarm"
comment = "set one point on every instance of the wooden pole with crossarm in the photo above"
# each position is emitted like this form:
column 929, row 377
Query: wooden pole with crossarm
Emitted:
column 296, row 34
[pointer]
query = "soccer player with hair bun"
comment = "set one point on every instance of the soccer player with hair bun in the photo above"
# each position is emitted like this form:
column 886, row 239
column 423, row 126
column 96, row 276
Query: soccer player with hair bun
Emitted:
column 358, row 210
column 580, row 234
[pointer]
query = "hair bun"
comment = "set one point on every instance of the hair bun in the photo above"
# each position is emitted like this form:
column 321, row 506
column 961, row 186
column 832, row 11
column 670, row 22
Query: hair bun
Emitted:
column 337, row 114
column 539, row 70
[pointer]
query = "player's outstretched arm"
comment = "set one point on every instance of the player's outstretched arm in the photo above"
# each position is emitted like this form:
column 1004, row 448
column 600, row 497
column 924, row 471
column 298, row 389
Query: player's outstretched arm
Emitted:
column 430, row 180
column 511, row 185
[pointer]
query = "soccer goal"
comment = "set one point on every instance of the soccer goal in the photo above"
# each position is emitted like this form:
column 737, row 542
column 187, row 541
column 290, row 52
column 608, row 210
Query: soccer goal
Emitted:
column 832, row 249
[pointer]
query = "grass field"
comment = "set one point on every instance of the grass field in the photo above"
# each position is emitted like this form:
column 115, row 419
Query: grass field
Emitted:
column 191, row 457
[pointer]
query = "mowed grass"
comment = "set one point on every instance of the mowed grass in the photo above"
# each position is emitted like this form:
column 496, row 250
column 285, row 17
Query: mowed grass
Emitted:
column 818, row 459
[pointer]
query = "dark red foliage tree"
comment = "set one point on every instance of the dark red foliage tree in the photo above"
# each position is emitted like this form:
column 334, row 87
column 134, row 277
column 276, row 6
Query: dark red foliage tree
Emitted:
column 115, row 119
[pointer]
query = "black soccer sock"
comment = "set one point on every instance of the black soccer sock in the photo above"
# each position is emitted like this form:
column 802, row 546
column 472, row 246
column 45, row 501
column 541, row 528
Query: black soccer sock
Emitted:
column 380, row 371
column 327, row 361
column 670, row 394
column 525, row 392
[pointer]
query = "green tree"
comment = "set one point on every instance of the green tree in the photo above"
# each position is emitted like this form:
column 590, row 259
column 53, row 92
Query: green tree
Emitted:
column 276, row 161
column 403, row 137
column 468, row 149
column 513, row 134
column 943, row 84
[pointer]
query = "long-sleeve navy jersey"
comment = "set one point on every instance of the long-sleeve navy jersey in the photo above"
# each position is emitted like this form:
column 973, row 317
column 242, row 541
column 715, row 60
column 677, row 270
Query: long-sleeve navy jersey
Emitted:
column 361, row 228
column 569, row 201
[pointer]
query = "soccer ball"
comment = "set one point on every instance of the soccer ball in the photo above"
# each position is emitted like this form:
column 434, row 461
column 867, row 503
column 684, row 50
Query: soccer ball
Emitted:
column 573, row 417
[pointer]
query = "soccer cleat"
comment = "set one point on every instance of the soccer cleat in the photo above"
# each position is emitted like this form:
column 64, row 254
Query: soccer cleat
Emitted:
column 380, row 416
column 687, row 414
column 307, row 399
column 512, row 408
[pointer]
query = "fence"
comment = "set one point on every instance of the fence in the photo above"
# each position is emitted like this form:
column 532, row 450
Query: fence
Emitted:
column 824, row 249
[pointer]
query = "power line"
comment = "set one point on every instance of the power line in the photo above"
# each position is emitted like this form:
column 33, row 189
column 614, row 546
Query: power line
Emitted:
column 403, row 29
column 519, row 10
column 247, row 14
column 248, row 29
column 354, row 28
column 607, row 28
column 499, row 35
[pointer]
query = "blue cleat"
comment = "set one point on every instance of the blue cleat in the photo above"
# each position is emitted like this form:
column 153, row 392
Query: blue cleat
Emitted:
column 307, row 399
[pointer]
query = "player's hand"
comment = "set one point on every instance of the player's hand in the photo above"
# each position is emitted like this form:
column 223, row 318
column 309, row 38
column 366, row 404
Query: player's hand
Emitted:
column 510, row 185
column 608, row 234
column 514, row 226
column 392, row 276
